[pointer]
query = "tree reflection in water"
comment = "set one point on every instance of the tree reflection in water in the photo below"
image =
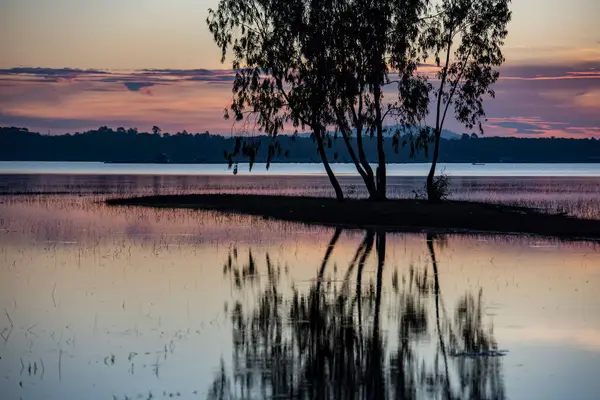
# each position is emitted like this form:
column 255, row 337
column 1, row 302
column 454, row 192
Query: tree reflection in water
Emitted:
column 326, row 342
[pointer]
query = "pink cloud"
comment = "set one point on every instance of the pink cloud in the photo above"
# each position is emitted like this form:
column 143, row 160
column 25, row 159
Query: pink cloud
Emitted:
column 530, row 100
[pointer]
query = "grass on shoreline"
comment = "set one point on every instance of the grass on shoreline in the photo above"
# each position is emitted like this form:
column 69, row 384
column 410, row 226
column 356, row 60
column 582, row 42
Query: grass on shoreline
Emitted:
column 402, row 215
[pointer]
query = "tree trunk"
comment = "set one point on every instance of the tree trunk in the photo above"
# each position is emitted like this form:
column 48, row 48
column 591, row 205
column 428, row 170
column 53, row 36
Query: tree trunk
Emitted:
column 357, row 117
column 363, row 160
column 369, row 181
column 381, row 168
column 332, row 178
column 432, row 194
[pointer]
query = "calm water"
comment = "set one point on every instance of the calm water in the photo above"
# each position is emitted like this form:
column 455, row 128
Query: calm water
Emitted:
column 573, row 189
column 102, row 302
column 455, row 169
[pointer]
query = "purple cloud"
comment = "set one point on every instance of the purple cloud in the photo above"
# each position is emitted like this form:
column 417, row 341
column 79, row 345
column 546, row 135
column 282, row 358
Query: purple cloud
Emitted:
column 521, row 127
column 52, row 74
column 527, row 98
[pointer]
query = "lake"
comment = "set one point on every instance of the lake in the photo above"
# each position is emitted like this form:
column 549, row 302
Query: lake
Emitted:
column 279, row 169
column 564, row 188
column 101, row 302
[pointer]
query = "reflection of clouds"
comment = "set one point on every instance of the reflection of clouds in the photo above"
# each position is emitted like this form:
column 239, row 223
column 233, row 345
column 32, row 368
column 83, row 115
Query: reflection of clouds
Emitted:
column 118, row 294
column 561, row 337
column 138, row 228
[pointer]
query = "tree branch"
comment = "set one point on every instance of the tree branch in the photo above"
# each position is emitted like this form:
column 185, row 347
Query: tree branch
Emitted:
column 390, row 109
column 443, row 82
column 250, row 29
column 432, row 16
column 344, row 129
column 453, row 90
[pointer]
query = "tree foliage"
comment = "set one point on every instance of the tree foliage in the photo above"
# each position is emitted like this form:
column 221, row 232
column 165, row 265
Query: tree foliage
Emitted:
column 326, row 65
column 375, row 46
column 466, row 42
column 281, row 72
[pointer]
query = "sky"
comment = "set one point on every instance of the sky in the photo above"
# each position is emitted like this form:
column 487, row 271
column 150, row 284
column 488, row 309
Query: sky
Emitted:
column 72, row 65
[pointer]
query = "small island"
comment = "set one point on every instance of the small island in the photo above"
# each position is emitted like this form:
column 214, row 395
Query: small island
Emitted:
column 396, row 215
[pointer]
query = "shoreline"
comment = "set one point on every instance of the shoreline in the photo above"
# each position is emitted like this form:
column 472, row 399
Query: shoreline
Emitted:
column 402, row 215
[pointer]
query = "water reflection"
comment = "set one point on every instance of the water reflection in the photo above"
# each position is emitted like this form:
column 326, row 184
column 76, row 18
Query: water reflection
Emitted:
column 112, row 302
column 327, row 341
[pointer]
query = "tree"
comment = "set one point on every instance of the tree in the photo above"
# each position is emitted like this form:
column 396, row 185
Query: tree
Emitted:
column 325, row 63
column 156, row 130
column 373, row 41
column 466, row 41
column 281, row 70
column 322, row 64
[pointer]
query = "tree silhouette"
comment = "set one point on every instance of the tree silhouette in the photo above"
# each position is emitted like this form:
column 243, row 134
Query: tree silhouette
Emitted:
column 373, row 39
column 319, row 64
column 466, row 42
column 322, row 64
column 156, row 130
column 326, row 342
column 281, row 70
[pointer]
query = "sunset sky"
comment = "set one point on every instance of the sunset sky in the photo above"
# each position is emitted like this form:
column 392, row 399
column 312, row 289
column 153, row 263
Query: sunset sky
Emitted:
column 550, row 84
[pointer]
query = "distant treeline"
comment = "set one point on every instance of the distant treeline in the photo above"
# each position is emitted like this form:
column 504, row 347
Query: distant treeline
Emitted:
column 128, row 145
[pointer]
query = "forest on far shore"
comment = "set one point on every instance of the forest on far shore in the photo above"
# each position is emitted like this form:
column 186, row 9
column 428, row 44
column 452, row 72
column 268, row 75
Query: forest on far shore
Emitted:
column 129, row 145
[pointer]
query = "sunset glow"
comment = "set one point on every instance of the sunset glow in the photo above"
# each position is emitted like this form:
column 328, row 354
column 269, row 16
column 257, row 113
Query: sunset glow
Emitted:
column 139, row 66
